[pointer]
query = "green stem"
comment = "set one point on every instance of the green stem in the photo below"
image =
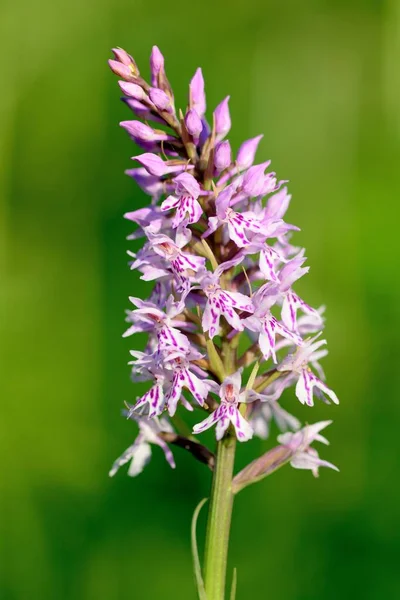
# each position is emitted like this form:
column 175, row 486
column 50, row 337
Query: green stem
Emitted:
column 219, row 520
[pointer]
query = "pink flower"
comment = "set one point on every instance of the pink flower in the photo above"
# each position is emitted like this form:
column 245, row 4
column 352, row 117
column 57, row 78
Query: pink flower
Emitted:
column 305, row 457
column 228, row 411
column 240, row 225
column 139, row 453
column 183, row 377
column 307, row 382
column 222, row 303
column 188, row 208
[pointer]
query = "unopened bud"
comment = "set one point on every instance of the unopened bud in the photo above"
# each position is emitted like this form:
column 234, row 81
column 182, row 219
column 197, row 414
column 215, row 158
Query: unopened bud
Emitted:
column 132, row 90
column 222, row 156
column 193, row 123
column 222, row 119
column 197, row 98
column 160, row 99
column 156, row 63
column 126, row 59
column 246, row 153
column 142, row 132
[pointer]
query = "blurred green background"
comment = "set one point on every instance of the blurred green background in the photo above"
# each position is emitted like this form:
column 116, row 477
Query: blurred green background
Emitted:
column 321, row 80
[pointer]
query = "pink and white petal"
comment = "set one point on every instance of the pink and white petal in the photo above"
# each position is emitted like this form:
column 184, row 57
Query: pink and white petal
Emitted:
column 150, row 314
column 151, row 274
column 252, row 323
column 138, row 302
column 186, row 183
column 289, row 311
column 179, row 217
column 284, row 419
column 210, row 319
column 191, row 262
column 229, row 264
column 240, row 301
column 174, row 394
column 291, row 272
column 209, row 422
column 155, row 398
column 267, row 345
column 214, row 386
column 168, row 454
column 260, row 426
column 324, row 388
column 311, row 433
column 186, row 404
column 266, row 263
column 188, row 211
column 289, row 335
column 306, row 308
column 223, row 201
column 243, row 429
column 169, row 203
column 213, row 224
column 169, row 336
column 304, row 388
column 124, row 458
column 221, row 427
column 196, row 211
column 198, row 388
column 140, row 458
column 131, row 330
column 183, row 236
column 311, row 461
column 233, row 318
column 237, row 233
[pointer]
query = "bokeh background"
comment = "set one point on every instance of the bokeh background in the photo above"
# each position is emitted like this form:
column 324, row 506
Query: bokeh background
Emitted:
column 321, row 80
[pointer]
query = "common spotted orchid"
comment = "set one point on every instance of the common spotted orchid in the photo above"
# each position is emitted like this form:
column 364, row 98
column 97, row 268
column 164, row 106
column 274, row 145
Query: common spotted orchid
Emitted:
column 227, row 334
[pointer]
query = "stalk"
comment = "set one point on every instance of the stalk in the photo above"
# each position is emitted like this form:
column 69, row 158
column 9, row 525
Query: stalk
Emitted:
column 221, row 502
column 219, row 520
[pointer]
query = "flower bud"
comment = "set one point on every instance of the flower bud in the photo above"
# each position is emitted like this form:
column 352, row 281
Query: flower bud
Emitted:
column 160, row 99
column 156, row 64
column 261, row 467
column 222, row 156
column 246, row 153
column 222, row 119
column 122, row 56
column 197, row 98
column 125, row 59
column 132, row 90
column 142, row 132
column 119, row 69
column 156, row 166
column 193, row 123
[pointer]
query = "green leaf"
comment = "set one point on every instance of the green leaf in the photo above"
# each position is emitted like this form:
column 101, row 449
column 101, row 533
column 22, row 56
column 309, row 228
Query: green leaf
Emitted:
column 195, row 553
column 210, row 255
column 234, row 582
column 252, row 377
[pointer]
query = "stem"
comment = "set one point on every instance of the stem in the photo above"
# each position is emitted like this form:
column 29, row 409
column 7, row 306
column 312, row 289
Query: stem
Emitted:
column 219, row 520
column 221, row 502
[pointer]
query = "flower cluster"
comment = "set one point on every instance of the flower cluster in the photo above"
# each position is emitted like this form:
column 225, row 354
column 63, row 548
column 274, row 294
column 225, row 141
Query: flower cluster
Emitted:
column 218, row 249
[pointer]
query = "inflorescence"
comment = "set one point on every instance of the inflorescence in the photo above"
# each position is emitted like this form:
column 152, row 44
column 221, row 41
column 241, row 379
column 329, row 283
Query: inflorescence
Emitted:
column 227, row 333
